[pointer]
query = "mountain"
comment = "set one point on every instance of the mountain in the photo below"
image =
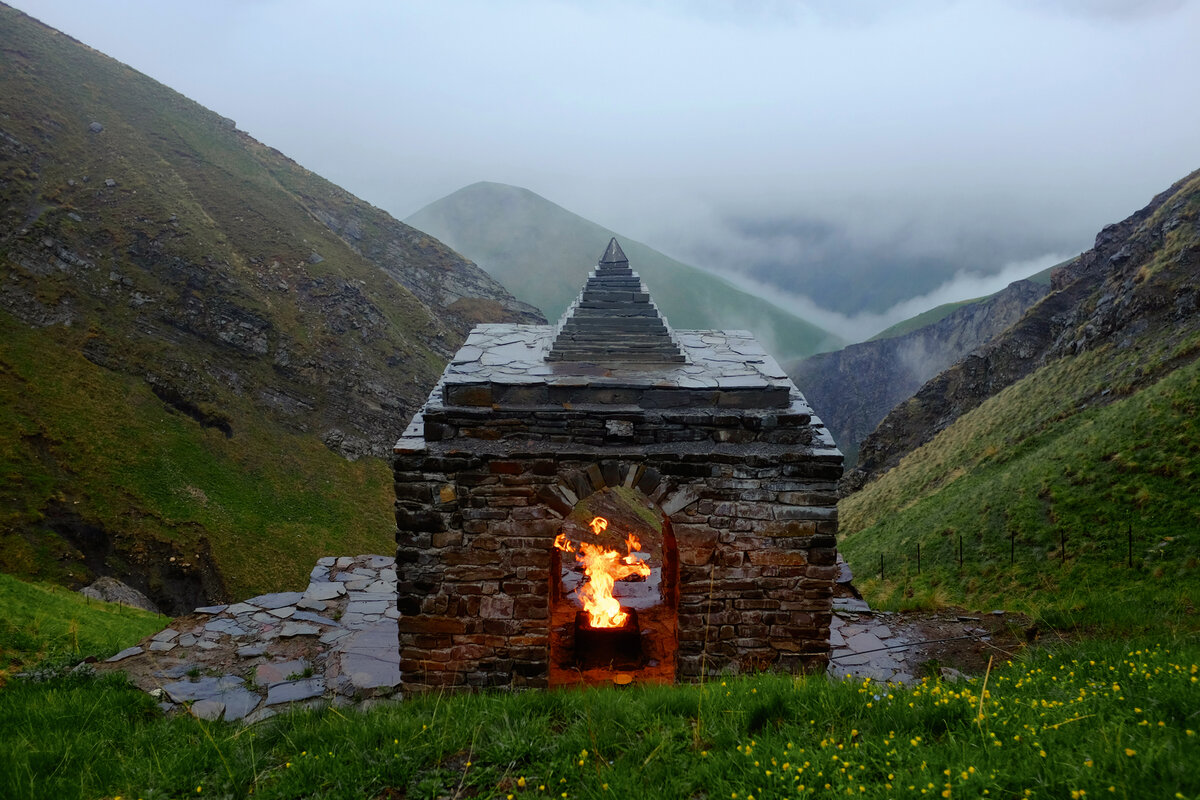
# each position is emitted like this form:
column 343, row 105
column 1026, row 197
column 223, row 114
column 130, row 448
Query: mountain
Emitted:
column 196, row 334
column 543, row 253
column 1133, row 291
column 1061, row 457
column 855, row 387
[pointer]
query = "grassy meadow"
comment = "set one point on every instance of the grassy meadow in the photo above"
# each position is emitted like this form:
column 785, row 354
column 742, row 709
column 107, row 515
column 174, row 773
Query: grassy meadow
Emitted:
column 1099, row 720
column 1080, row 514
column 81, row 437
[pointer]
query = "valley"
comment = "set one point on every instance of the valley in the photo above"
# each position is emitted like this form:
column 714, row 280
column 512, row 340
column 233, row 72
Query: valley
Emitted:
column 208, row 352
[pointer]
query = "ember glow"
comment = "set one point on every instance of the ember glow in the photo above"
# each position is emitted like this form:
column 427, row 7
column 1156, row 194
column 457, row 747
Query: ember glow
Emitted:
column 603, row 567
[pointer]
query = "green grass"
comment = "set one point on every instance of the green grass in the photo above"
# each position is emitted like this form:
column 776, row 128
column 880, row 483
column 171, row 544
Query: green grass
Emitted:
column 1080, row 720
column 77, row 436
column 43, row 622
column 1038, row 464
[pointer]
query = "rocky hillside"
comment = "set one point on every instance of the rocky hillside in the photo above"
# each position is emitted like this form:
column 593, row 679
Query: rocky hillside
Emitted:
column 543, row 253
column 127, row 202
column 193, row 325
column 855, row 387
column 1135, row 294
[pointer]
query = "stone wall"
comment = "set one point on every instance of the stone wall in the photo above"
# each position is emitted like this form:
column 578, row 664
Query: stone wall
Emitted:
column 755, row 529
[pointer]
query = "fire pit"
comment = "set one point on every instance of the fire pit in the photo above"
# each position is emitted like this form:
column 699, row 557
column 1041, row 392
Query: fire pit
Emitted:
column 610, row 500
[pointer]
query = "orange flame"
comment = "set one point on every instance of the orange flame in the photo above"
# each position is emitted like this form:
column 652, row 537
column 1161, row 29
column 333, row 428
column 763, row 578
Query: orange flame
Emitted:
column 603, row 568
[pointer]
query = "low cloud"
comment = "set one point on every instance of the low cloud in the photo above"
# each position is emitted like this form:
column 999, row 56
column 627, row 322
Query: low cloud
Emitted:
column 862, row 326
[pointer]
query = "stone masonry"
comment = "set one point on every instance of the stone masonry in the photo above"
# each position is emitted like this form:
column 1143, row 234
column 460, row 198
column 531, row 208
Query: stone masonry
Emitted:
column 525, row 424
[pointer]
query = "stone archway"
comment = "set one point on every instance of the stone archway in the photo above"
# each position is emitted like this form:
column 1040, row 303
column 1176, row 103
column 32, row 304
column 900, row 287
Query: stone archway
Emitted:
column 643, row 647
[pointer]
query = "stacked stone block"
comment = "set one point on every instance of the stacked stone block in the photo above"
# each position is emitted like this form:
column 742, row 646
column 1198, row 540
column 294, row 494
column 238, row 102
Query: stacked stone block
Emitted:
column 755, row 537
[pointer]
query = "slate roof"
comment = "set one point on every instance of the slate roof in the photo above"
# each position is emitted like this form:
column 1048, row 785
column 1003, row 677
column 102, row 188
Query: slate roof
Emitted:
column 614, row 319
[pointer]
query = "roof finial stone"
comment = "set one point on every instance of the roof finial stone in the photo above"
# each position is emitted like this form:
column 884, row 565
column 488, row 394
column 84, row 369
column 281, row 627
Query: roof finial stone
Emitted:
column 614, row 254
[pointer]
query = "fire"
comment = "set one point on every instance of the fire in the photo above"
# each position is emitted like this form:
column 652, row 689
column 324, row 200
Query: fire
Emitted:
column 603, row 567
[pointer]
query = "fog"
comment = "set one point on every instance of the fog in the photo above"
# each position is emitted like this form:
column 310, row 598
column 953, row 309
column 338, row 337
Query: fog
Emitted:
column 851, row 159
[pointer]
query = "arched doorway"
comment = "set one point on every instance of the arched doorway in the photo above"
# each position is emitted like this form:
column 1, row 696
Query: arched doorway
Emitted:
column 614, row 592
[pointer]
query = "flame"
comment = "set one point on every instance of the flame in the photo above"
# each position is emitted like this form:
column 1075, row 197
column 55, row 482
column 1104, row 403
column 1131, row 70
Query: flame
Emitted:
column 603, row 567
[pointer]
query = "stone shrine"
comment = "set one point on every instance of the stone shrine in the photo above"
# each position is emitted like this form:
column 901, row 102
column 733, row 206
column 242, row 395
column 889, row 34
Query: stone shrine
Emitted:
column 611, row 500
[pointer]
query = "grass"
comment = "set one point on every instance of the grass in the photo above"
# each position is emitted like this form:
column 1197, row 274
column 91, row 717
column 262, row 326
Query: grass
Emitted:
column 46, row 623
column 205, row 235
column 1035, row 467
column 67, row 429
column 1094, row 720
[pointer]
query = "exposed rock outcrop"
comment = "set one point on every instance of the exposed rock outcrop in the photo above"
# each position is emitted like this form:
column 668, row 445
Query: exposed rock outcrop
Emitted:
column 854, row 388
column 111, row 590
column 211, row 266
column 1140, row 282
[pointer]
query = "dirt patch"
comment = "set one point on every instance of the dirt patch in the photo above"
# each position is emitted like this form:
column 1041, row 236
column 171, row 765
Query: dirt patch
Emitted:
column 961, row 640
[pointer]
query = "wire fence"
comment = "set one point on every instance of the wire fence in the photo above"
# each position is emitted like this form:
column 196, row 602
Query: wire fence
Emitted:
column 1119, row 548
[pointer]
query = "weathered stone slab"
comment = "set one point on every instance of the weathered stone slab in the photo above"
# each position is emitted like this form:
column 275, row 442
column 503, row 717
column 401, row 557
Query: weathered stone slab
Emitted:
column 290, row 629
column 294, row 691
column 281, row 671
column 124, row 654
column 275, row 599
column 325, row 591
column 208, row 709
column 238, row 609
column 370, row 659
column 307, row 616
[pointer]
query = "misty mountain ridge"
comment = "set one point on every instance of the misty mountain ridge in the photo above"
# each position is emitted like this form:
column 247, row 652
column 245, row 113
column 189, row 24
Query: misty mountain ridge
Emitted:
column 855, row 387
column 1058, row 461
column 196, row 334
column 542, row 253
column 1133, row 296
column 857, row 272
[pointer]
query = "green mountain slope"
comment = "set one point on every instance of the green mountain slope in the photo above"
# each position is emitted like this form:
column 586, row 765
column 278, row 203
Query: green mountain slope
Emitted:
column 197, row 334
column 1069, row 486
column 543, row 253
column 939, row 313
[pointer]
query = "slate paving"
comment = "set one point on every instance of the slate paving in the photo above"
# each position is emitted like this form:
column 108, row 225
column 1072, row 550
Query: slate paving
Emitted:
column 863, row 645
column 335, row 642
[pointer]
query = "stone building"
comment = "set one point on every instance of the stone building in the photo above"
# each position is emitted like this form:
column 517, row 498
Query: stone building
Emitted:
column 541, row 444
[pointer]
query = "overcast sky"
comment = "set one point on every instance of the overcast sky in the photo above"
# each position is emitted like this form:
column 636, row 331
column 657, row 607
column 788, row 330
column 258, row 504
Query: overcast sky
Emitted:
column 741, row 136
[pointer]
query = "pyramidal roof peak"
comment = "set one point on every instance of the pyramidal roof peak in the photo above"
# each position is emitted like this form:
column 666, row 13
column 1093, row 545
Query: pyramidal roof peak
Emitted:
column 614, row 254
column 614, row 320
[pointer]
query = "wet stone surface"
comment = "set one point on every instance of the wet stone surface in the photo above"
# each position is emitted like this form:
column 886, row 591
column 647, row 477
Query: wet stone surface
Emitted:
column 334, row 642
column 904, row 648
